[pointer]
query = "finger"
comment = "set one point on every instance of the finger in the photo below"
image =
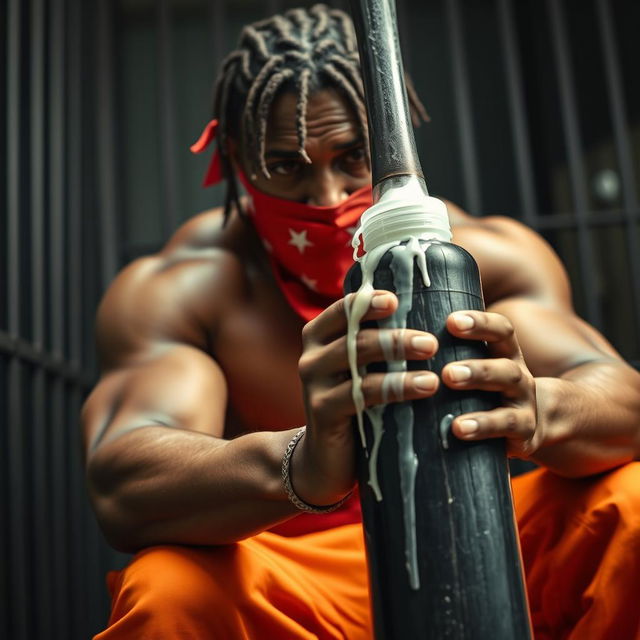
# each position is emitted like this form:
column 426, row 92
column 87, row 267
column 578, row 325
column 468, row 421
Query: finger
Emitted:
column 492, row 374
column 517, row 425
column 494, row 328
column 377, row 389
column 372, row 345
column 332, row 322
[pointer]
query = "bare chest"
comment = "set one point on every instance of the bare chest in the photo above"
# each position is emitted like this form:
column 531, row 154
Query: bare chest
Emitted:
column 258, row 346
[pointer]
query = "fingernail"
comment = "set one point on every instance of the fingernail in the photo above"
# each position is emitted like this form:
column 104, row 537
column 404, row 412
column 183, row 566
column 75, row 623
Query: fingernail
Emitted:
column 459, row 373
column 380, row 301
column 468, row 426
column 463, row 322
column 425, row 344
column 424, row 382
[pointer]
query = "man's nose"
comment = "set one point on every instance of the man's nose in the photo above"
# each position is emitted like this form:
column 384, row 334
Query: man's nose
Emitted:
column 327, row 190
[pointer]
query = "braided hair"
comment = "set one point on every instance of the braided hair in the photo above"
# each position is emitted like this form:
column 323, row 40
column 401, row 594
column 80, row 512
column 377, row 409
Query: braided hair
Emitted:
column 302, row 50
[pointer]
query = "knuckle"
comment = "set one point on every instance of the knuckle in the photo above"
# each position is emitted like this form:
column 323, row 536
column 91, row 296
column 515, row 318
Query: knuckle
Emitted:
column 368, row 390
column 530, row 424
column 507, row 328
column 514, row 375
column 319, row 403
column 308, row 332
column 482, row 372
column 306, row 366
column 363, row 342
column 511, row 421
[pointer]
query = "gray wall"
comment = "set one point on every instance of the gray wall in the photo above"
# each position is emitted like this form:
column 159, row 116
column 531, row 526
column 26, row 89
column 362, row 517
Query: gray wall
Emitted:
column 534, row 115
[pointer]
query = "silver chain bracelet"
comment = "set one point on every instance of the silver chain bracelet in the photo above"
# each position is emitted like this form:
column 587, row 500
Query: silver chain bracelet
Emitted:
column 286, row 479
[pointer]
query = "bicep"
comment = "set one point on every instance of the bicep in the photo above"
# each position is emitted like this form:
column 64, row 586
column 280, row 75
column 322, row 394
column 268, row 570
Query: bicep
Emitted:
column 537, row 298
column 175, row 385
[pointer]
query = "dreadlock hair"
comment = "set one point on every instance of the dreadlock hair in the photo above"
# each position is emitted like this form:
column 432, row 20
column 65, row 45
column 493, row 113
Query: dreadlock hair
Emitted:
column 302, row 51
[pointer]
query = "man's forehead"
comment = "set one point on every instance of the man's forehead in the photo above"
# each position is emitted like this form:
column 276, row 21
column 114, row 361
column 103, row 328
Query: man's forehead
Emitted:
column 327, row 112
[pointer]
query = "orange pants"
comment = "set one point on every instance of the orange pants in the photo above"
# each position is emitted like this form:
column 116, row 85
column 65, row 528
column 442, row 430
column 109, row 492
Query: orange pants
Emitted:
column 580, row 543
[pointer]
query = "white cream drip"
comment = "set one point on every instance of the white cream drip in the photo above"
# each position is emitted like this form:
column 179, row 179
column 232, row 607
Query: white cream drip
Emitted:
column 402, row 266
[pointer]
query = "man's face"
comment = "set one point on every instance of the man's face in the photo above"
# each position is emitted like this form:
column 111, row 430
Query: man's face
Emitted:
column 334, row 145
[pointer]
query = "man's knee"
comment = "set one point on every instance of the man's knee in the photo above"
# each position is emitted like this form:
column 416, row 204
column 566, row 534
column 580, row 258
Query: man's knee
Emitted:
column 180, row 579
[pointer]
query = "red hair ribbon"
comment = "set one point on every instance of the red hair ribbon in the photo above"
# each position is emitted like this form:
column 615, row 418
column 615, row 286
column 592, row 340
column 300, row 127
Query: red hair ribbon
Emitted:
column 214, row 172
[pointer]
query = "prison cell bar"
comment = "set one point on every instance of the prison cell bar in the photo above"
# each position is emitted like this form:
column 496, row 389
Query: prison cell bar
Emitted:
column 462, row 94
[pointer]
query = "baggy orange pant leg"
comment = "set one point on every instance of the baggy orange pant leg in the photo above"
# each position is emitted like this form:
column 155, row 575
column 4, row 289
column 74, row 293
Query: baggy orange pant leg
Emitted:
column 265, row 587
column 580, row 542
column 581, row 548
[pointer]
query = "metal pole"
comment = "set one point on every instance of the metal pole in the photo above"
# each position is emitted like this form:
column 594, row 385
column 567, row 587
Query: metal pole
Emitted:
column 577, row 177
column 106, row 137
column 166, row 101
column 18, row 561
column 439, row 525
column 624, row 154
column 41, row 502
column 79, row 565
column 515, row 93
column 462, row 98
column 56, row 419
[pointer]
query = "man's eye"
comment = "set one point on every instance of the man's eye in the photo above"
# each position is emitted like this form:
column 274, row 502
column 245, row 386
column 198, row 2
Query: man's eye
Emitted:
column 284, row 168
column 355, row 156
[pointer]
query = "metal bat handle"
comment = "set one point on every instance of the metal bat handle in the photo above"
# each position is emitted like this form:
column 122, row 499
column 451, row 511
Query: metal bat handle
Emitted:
column 391, row 139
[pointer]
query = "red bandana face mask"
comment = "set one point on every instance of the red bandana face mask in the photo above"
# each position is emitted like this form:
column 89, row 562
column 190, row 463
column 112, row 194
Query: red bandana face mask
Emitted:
column 309, row 247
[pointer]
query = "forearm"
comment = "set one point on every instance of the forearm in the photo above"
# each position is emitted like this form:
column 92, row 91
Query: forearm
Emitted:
column 590, row 419
column 156, row 485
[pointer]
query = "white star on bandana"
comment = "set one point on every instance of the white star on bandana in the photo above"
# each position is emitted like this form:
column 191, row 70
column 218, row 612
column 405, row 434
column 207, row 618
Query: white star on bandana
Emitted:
column 299, row 240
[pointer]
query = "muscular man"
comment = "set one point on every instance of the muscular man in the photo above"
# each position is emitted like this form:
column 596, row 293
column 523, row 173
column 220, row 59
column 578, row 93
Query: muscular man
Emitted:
column 215, row 350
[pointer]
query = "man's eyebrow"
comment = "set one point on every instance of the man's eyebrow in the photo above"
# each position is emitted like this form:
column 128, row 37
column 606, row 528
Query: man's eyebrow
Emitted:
column 294, row 155
column 347, row 145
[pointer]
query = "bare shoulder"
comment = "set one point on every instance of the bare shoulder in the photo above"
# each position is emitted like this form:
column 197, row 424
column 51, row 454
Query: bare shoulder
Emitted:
column 173, row 296
column 514, row 260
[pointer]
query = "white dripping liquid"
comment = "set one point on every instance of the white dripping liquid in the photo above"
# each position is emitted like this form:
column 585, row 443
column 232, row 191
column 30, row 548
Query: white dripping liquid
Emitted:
column 403, row 213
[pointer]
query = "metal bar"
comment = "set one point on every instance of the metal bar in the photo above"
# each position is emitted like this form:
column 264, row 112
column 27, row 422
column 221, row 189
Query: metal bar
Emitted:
column 74, row 208
column 41, row 506
column 597, row 219
column 106, row 141
column 515, row 94
column 78, row 567
column 59, row 529
column 37, row 170
column 27, row 353
column 622, row 145
column 18, row 614
column 462, row 98
column 218, row 32
column 57, row 172
column 40, row 502
column 405, row 36
column 14, row 111
column 167, row 116
column 577, row 178
column 79, row 550
column 19, row 558
column 5, row 587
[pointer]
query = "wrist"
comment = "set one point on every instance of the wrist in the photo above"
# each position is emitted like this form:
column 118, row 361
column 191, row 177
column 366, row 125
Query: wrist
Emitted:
column 293, row 496
column 315, row 482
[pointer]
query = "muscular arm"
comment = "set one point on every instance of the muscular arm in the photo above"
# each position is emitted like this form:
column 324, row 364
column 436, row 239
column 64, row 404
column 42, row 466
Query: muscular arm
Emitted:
column 158, row 468
column 586, row 398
